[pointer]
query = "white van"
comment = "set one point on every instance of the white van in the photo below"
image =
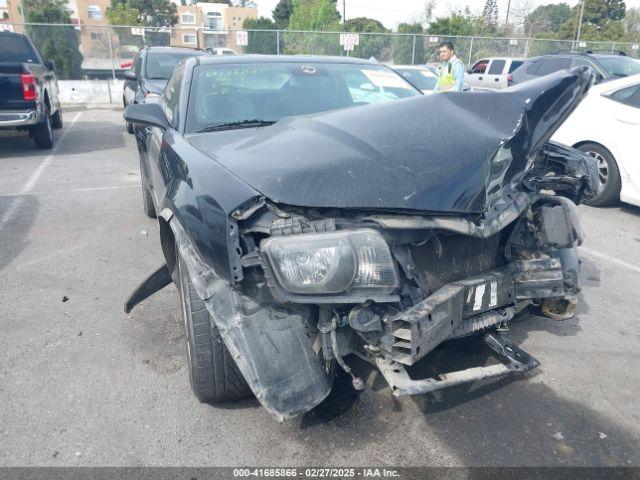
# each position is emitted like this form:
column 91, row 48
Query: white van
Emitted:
column 492, row 73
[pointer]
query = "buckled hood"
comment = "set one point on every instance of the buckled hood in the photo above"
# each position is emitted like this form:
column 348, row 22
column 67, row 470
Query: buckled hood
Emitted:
column 454, row 153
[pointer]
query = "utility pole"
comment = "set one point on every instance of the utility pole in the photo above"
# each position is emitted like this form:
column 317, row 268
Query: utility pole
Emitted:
column 506, row 20
column 582, row 2
column 344, row 11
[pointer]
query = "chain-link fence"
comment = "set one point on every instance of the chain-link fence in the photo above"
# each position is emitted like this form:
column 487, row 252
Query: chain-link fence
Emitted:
column 100, row 51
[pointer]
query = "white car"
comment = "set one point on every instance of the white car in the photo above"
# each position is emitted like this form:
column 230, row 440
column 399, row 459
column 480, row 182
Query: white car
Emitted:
column 606, row 125
column 492, row 73
column 419, row 76
column 221, row 51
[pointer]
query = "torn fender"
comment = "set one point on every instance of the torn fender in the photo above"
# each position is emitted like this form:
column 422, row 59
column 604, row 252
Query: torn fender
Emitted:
column 272, row 344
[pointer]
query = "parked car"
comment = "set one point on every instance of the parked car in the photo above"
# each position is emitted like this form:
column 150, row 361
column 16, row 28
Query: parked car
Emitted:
column 492, row 73
column 419, row 76
column 300, row 227
column 152, row 68
column 606, row 126
column 28, row 90
column 605, row 66
column 221, row 51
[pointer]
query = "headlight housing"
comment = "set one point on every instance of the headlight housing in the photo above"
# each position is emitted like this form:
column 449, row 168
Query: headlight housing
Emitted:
column 336, row 267
column 151, row 97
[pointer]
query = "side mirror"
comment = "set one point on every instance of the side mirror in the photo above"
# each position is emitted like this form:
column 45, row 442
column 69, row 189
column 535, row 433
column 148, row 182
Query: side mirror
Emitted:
column 150, row 114
column 50, row 64
column 129, row 75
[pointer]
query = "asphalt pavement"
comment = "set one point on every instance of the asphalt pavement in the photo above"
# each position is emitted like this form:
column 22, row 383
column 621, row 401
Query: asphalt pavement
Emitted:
column 82, row 383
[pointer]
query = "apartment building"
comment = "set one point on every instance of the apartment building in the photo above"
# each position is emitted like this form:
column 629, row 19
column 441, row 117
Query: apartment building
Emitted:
column 209, row 25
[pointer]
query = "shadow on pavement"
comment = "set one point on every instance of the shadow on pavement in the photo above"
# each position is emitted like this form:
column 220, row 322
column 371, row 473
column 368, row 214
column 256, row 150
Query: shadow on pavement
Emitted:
column 84, row 137
column 516, row 421
column 22, row 211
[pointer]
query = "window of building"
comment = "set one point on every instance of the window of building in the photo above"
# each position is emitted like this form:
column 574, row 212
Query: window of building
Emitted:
column 189, row 38
column 214, row 21
column 188, row 18
column 96, row 36
column 94, row 11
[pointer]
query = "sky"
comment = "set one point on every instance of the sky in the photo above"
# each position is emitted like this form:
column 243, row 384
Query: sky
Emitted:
column 393, row 12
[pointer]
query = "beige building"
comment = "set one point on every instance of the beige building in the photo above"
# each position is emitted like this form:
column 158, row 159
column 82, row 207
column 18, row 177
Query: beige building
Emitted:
column 209, row 25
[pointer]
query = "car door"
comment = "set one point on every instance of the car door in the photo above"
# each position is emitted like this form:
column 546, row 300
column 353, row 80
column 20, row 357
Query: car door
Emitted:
column 496, row 72
column 131, row 86
column 156, row 165
column 625, row 110
column 475, row 78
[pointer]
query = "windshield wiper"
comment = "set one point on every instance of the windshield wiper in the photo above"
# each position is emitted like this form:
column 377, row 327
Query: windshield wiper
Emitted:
column 256, row 122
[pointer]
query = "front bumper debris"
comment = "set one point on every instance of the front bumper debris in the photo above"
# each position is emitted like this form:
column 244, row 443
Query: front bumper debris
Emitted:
column 515, row 360
column 472, row 304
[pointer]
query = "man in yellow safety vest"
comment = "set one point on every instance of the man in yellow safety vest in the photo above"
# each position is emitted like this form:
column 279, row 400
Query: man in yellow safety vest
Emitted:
column 450, row 71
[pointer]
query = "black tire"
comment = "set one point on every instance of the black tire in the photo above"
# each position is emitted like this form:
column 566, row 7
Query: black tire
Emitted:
column 609, row 175
column 147, row 200
column 56, row 119
column 213, row 373
column 129, row 127
column 42, row 133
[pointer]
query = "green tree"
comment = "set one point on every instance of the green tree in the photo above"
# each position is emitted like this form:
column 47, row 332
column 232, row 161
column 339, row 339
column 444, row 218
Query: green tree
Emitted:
column 370, row 45
column 226, row 2
column 157, row 13
column 490, row 14
column 281, row 14
column 314, row 15
column 462, row 23
column 546, row 20
column 56, row 43
column 602, row 20
column 264, row 42
column 631, row 25
column 403, row 46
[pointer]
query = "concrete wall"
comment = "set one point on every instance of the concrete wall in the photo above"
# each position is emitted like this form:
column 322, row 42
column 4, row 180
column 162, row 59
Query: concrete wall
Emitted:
column 90, row 91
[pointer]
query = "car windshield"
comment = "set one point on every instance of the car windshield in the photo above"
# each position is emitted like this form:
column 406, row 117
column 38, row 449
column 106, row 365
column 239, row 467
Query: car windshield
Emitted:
column 224, row 94
column 160, row 65
column 620, row 66
column 422, row 79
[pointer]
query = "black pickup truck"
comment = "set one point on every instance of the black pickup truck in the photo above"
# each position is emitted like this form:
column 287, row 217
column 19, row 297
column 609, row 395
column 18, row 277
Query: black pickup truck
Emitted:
column 28, row 90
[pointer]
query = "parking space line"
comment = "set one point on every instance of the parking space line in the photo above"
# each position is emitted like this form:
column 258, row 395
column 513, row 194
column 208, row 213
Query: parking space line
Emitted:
column 610, row 259
column 70, row 190
column 35, row 176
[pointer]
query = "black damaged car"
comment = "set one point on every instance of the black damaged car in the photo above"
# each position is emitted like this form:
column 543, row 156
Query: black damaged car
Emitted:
column 316, row 207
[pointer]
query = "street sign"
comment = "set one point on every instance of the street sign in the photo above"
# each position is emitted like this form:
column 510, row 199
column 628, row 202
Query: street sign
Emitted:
column 582, row 44
column 433, row 39
column 349, row 48
column 137, row 31
column 349, row 39
column 513, row 41
column 634, row 46
column 242, row 38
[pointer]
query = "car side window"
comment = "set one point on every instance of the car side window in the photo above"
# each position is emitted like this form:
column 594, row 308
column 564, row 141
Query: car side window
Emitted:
column 629, row 96
column 583, row 62
column 171, row 96
column 514, row 65
column 497, row 67
column 480, row 66
column 553, row 64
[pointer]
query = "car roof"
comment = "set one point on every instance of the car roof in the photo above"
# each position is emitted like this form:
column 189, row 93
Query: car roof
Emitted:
column 174, row 50
column 422, row 68
column 579, row 54
column 214, row 60
column 617, row 84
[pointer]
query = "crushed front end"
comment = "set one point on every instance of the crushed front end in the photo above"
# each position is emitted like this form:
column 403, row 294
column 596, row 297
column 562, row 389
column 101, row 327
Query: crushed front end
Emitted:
column 392, row 287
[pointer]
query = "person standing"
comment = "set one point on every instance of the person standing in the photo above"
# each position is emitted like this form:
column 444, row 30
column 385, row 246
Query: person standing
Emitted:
column 451, row 70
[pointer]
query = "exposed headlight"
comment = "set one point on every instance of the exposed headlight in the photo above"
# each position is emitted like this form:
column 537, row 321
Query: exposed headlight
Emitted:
column 337, row 263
